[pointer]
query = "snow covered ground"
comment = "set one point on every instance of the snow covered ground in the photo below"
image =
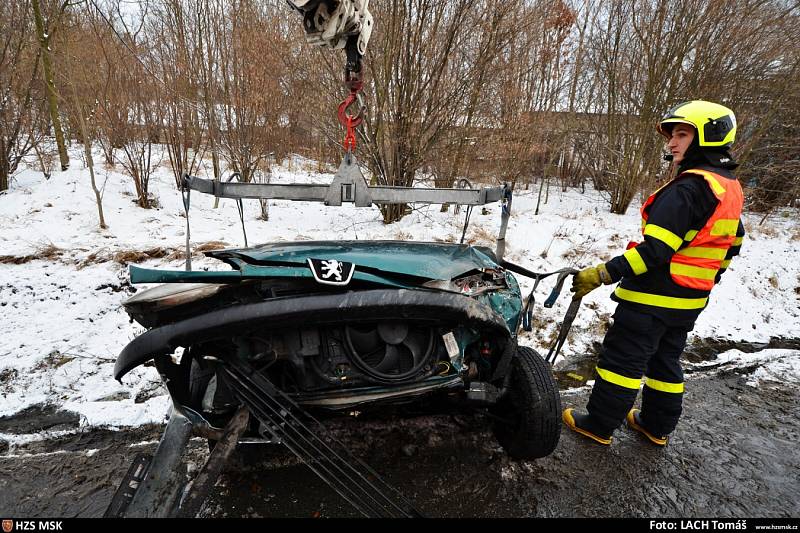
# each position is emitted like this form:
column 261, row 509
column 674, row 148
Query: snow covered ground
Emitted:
column 63, row 324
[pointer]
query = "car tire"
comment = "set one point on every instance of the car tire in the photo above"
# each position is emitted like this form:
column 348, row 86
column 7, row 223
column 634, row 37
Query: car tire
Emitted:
column 528, row 417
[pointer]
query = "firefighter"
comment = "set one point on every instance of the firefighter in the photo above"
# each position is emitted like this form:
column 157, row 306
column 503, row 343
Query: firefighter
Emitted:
column 691, row 229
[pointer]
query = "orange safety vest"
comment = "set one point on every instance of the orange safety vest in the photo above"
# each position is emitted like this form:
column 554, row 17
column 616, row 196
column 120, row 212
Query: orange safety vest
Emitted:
column 696, row 263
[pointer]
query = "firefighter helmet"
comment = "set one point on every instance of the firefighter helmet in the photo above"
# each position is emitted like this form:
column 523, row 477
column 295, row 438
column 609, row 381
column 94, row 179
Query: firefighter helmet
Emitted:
column 715, row 123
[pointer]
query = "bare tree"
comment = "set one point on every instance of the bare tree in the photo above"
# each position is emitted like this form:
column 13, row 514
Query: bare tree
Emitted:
column 647, row 54
column 141, row 135
column 110, row 59
column 424, row 81
column 250, row 97
column 20, row 101
column 208, row 73
column 771, row 157
column 81, row 81
column 555, row 89
column 529, row 83
column 178, row 52
column 44, row 33
column 133, row 104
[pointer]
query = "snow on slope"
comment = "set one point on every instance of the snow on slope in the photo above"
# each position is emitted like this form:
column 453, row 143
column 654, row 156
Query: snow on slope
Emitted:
column 63, row 324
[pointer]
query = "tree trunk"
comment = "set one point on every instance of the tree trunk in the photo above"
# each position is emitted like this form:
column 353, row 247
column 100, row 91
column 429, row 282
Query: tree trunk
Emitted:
column 393, row 212
column 87, row 150
column 539, row 198
column 217, row 173
column 87, row 147
column 52, row 98
column 4, row 170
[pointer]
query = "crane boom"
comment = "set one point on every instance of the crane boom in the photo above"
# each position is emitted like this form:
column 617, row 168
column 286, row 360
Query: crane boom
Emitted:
column 338, row 24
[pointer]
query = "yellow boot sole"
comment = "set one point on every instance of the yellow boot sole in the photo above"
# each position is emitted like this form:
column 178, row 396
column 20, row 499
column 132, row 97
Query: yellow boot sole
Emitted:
column 661, row 441
column 569, row 420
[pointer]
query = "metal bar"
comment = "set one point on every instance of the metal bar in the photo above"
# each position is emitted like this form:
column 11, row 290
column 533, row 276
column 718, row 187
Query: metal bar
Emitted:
column 270, row 191
column 400, row 195
column 287, row 412
column 320, row 455
column 211, row 470
column 338, row 485
column 159, row 493
column 127, row 489
column 336, row 193
column 506, row 214
column 186, row 196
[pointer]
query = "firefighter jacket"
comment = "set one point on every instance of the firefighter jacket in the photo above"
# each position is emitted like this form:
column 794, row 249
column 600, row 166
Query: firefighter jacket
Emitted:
column 691, row 230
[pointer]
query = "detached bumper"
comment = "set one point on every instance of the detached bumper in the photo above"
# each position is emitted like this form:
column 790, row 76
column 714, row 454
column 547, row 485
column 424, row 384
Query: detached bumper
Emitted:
column 329, row 309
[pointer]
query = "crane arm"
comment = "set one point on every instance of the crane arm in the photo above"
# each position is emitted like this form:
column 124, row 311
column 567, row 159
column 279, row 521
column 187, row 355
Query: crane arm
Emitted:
column 338, row 24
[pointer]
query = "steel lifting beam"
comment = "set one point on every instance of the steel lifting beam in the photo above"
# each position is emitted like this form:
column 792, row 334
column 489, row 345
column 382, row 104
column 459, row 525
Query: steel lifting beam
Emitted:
column 348, row 186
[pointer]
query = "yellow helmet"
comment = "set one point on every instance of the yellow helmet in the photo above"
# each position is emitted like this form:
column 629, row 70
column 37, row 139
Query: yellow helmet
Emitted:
column 715, row 123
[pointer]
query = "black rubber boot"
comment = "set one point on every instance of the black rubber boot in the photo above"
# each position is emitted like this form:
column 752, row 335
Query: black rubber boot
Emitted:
column 586, row 426
column 634, row 419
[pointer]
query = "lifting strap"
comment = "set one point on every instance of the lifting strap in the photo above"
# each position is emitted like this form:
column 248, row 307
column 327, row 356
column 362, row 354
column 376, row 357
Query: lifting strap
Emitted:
column 527, row 311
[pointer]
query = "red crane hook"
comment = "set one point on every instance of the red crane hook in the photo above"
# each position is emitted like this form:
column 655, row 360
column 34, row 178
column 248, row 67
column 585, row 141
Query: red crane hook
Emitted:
column 351, row 122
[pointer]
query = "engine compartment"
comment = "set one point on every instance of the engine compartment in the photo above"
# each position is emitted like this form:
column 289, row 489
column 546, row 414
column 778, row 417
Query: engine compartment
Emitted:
column 363, row 354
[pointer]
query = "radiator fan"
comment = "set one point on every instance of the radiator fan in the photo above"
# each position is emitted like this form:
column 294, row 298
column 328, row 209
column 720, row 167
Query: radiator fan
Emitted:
column 389, row 351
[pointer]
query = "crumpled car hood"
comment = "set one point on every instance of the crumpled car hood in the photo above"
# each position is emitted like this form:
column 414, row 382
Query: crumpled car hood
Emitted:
column 442, row 261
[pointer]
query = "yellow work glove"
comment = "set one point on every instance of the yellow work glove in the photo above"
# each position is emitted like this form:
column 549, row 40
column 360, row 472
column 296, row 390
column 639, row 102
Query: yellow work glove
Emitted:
column 589, row 279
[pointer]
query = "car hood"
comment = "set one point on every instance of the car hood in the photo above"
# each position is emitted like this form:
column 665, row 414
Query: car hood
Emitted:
column 441, row 261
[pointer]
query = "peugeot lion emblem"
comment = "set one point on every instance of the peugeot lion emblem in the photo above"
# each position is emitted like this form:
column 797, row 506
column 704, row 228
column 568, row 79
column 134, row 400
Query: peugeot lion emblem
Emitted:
column 331, row 271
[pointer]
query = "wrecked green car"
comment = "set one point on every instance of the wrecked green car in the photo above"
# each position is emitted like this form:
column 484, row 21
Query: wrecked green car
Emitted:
column 320, row 328
column 353, row 325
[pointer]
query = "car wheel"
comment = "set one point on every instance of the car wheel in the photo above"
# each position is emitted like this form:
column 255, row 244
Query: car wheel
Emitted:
column 528, row 417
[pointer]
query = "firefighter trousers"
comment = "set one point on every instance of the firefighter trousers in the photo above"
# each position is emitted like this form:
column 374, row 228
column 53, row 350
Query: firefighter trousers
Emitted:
column 639, row 345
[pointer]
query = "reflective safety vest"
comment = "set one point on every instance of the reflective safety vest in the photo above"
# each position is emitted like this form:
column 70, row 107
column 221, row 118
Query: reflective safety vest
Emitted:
column 700, row 253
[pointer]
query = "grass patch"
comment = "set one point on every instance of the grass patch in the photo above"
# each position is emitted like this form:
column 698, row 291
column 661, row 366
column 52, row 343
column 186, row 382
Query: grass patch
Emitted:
column 49, row 252
column 138, row 256
column 7, row 377
column 481, row 235
column 211, row 245
column 124, row 257
column 54, row 359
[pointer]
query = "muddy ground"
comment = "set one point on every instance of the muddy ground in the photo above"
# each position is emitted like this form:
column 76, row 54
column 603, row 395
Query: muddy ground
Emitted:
column 734, row 454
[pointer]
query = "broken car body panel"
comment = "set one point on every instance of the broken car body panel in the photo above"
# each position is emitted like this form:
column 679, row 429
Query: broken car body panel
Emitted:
column 339, row 327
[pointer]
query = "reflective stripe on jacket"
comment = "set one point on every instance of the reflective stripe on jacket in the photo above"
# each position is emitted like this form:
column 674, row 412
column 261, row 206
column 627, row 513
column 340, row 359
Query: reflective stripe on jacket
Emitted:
column 700, row 253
